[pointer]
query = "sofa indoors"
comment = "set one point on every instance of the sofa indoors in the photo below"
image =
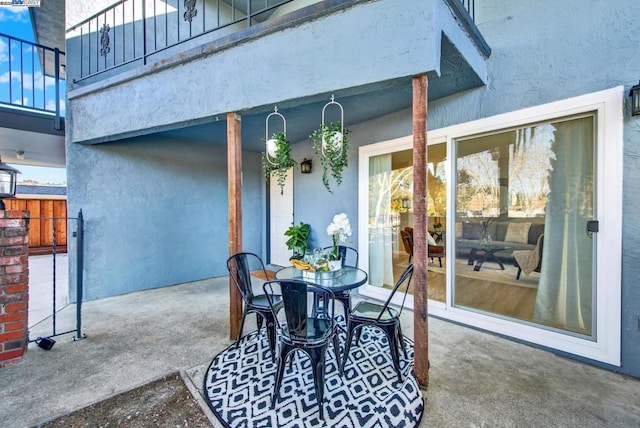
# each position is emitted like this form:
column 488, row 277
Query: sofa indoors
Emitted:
column 515, row 234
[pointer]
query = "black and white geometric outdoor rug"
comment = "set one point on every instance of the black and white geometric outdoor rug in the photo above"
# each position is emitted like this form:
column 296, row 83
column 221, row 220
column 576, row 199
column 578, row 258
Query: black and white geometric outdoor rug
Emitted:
column 240, row 380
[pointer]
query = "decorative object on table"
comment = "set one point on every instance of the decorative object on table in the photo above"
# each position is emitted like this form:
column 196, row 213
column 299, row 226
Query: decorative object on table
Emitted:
column 348, row 257
column 240, row 266
column 315, row 266
column 298, row 239
column 305, row 330
column 382, row 317
column 331, row 144
column 485, row 237
column 277, row 156
column 370, row 397
column 339, row 230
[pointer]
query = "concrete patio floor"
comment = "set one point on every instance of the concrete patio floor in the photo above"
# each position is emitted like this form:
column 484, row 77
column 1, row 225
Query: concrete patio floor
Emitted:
column 476, row 379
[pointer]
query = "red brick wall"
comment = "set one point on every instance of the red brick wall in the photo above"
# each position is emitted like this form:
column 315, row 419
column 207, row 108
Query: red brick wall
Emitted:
column 14, row 285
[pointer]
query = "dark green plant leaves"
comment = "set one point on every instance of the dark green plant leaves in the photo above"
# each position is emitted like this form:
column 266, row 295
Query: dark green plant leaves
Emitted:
column 335, row 158
column 282, row 162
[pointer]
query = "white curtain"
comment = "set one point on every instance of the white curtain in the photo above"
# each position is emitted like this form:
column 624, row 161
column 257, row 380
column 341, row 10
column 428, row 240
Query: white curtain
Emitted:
column 380, row 227
column 565, row 290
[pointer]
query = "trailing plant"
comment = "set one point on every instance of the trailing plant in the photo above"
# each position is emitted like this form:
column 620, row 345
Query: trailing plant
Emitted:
column 335, row 155
column 298, row 239
column 281, row 162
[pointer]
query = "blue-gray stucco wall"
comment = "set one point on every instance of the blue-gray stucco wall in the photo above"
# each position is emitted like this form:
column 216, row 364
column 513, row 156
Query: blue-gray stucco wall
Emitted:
column 542, row 51
column 155, row 212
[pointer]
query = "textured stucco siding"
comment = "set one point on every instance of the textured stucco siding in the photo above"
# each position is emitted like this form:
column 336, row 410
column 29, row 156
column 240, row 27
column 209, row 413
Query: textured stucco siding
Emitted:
column 365, row 44
column 156, row 212
column 542, row 51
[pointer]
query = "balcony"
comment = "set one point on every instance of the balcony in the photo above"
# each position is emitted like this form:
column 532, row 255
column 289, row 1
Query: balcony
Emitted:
column 188, row 66
column 32, row 88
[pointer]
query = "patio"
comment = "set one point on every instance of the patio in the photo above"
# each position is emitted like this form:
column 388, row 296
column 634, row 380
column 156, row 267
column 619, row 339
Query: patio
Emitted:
column 476, row 379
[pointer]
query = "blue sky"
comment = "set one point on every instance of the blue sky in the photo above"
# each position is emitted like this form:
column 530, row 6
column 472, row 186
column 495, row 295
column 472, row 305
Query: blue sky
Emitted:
column 15, row 22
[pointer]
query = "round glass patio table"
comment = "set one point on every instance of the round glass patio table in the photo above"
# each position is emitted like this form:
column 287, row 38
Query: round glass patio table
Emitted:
column 344, row 279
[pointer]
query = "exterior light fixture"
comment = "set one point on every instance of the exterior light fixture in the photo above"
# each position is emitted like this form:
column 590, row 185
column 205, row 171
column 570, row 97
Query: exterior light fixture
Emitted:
column 305, row 166
column 7, row 182
column 20, row 154
column 634, row 93
column 406, row 203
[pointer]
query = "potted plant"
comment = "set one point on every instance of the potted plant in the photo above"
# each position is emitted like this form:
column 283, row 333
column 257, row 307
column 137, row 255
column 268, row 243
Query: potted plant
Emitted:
column 331, row 145
column 277, row 159
column 338, row 230
column 298, row 239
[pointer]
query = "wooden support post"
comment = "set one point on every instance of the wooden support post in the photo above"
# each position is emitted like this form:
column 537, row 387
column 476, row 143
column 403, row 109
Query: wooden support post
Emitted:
column 234, row 167
column 420, row 314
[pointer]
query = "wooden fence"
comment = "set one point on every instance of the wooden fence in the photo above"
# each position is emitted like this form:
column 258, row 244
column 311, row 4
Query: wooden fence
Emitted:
column 42, row 212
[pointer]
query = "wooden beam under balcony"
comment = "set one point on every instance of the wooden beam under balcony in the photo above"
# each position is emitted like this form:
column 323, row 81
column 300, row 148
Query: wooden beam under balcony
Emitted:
column 420, row 286
column 234, row 168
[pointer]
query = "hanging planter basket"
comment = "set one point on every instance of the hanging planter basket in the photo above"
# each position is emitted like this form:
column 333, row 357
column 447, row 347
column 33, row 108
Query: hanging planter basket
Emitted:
column 277, row 160
column 331, row 145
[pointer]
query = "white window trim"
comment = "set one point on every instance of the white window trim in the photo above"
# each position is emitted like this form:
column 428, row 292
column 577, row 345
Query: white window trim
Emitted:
column 609, row 130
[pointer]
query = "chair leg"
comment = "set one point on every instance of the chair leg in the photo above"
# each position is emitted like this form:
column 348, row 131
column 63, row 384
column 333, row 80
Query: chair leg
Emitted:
column 519, row 272
column 271, row 335
column 284, row 351
column 259, row 320
column 317, row 355
column 440, row 260
column 391, row 332
column 336, row 350
column 401, row 340
column 346, row 303
column 244, row 315
column 347, row 345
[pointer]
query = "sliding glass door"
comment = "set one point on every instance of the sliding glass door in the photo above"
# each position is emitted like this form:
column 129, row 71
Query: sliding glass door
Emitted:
column 524, row 206
column 524, row 221
column 390, row 208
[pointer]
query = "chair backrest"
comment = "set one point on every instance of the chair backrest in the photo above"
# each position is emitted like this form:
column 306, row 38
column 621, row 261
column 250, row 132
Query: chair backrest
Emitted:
column 297, row 299
column 240, row 266
column 407, row 242
column 348, row 255
column 406, row 276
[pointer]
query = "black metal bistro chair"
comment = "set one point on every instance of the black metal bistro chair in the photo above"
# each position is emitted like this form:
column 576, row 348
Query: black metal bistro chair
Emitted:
column 240, row 266
column 303, row 329
column 348, row 257
column 382, row 317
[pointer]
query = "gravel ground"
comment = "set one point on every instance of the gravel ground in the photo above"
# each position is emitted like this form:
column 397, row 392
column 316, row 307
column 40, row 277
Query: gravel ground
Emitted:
column 165, row 402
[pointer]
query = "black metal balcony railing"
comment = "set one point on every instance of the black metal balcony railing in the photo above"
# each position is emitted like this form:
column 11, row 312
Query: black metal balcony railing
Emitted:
column 133, row 30
column 470, row 6
column 31, row 76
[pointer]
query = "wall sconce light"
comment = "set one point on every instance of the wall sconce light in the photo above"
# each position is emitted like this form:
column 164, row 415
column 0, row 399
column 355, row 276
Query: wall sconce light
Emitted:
column 305, row 166
column 7, row 182
column 20, row 154
column 406, row 204
column 634, row 93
